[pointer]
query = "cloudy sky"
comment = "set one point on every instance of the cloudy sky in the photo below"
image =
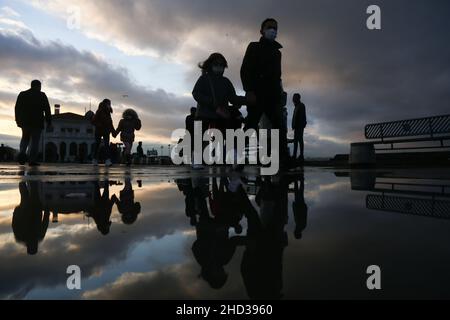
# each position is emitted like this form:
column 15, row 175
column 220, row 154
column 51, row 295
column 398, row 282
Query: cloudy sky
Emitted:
column 143, row 54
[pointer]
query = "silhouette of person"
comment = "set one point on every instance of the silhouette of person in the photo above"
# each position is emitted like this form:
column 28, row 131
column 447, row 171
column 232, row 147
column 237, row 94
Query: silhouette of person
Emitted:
column 298, row 125
column 185, row 186
column 299, row 207
column 261, row 80
column 32, row 107
column 227, row 204
column 214, row 248
column 29, row 224
column 190, row 121
column 102, row 208
column 262, row 262
column 129, row 123
column 140, row 150
column 103, row 124
column 126, row 205
column 2, row 152
column 214, row 93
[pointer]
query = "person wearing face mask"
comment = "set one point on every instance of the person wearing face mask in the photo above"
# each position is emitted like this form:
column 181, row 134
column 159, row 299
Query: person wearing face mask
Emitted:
column 261, row 80
column 215, row 95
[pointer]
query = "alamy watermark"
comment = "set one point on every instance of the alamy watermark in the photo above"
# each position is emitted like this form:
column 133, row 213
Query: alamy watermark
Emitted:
column 374, row 280
column 373, row 22
column 235, row 148
column 74, row 280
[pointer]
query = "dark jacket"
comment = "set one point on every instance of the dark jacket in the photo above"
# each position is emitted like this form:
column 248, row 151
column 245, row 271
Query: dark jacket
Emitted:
column 190, row 123
column 102, row 121
column 261, row 67
column 126, row 128
column 30, row 109
column 224, row 94
column 299, row 118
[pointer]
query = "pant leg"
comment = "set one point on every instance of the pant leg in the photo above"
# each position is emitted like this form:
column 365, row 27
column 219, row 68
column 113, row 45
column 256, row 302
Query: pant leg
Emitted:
column 34, row 147
column 301, row 141
column 128, row 146
column 275, row 115
column 253, row 117
column 107, row 148
column 98, row 140
column 25, row 141
column 295, row 143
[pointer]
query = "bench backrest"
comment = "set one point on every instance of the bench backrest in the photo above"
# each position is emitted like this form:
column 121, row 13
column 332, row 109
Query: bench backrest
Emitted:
column 408, row 128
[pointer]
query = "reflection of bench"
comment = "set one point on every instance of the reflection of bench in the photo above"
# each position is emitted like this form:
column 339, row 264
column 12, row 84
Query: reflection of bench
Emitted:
column 388, row 135
column 415, row 206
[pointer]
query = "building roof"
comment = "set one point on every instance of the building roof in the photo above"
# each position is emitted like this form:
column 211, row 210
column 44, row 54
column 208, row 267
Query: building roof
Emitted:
column 69, row 116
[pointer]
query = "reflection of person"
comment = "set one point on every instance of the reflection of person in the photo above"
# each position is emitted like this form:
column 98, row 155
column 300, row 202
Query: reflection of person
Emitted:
column 213, row 248
column 101, row 211
column 29, row 224
column 226, row 202
column 32, row 107
column 262, row 262
column 299, row 208
column 126, row 205
column 185, row 186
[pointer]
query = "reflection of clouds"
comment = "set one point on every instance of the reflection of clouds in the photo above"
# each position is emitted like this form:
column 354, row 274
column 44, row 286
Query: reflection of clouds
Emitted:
column 75, row 243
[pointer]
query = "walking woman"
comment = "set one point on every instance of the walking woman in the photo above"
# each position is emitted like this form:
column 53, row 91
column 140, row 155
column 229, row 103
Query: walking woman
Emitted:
column 103, row 124
column 214, row 93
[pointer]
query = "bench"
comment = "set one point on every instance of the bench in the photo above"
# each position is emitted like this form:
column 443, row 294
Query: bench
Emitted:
column 388, row 135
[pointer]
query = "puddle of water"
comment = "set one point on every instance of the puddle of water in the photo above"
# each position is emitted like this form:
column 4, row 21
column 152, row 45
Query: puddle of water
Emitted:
column 302, row 236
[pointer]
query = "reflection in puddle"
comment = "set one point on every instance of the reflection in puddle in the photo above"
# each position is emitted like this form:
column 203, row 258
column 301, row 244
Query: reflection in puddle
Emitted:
column 306, row 235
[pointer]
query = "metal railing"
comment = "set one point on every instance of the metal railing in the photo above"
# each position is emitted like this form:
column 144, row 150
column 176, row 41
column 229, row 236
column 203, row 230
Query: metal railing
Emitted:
column 430, row 126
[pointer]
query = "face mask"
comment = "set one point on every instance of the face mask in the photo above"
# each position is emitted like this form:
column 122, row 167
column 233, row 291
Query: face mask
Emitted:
column 219, row 70
column 270, row 34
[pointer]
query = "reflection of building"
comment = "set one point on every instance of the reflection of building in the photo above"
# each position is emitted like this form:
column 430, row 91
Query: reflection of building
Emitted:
column 67, row 197
column 71, row 138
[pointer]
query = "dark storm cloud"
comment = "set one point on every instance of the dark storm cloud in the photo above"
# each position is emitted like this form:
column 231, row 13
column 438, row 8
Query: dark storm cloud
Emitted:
column 82, row 73
column 348, row 74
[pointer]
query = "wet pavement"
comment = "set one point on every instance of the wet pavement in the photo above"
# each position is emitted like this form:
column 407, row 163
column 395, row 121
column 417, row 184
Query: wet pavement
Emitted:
column 170, row 233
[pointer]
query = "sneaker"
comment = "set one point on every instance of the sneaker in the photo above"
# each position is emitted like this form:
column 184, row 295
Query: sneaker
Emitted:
column 94, row 162
column 108, row 163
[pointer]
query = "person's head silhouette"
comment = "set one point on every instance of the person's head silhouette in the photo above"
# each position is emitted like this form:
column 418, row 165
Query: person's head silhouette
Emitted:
column 193, row 111
column 215, row 276
column 36, row 85
column 269, row 29
column 296, row 98
column 131, row 217
column 104, row 228
column 215, row 64
column 32, row 248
